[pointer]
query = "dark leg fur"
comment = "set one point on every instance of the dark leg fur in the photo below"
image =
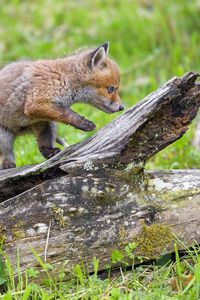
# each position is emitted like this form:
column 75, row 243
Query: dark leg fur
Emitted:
column 8, row 164
column 45, row 133
column 6, row 148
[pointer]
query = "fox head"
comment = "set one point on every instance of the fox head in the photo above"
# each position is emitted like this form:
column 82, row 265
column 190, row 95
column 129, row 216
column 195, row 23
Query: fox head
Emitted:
column 99, row 78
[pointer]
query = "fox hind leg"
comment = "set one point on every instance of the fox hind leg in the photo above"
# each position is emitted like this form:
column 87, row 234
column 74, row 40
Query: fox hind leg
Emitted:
column 45, row 133
column 6, row 148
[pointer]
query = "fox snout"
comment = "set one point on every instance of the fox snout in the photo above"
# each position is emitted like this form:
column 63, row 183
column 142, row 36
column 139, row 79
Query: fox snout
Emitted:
column 107, row 104
column 114, row 103
column 114, row 107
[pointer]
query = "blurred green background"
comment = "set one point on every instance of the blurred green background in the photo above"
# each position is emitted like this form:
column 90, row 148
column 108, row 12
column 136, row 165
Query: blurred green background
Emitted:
column 151, row 40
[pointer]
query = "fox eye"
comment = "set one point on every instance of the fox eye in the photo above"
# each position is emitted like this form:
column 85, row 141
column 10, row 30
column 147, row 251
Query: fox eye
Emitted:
column 110, row 89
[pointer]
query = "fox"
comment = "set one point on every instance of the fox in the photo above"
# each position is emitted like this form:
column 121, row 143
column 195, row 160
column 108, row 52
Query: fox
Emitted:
column 35, row 95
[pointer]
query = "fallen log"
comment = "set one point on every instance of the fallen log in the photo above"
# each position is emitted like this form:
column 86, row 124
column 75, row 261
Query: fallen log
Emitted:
column 95, row 196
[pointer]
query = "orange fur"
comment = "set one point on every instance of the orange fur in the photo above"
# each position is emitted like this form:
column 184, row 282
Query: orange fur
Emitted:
column 35, row 94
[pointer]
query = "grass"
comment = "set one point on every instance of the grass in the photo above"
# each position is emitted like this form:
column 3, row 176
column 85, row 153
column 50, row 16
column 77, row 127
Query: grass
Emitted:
column 152, row 41
column 178, row 279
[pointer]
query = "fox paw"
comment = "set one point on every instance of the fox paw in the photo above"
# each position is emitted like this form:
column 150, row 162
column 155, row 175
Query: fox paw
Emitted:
column 86, row 125
column 48, row 152
column 8, row 164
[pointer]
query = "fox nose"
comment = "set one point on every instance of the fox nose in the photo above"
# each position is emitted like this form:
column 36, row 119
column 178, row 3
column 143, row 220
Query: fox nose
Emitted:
column 121, row 107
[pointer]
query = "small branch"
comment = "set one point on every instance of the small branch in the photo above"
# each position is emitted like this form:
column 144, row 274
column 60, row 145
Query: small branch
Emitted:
column 47, row 242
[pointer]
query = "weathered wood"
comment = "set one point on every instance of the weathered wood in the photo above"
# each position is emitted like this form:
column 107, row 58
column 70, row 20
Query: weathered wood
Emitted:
column 93, row 215
column 94, row 201
column 139, row 133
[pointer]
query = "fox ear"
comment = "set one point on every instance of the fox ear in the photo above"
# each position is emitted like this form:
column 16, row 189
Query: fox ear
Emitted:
column 106, row 47
column 98, row 56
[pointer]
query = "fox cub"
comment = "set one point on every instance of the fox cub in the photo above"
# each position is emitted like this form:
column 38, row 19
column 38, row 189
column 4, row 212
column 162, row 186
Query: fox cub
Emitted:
column 35, row 94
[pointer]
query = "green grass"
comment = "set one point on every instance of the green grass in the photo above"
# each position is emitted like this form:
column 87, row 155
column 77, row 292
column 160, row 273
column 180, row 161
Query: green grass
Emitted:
column 152, row 41
column 162, row 280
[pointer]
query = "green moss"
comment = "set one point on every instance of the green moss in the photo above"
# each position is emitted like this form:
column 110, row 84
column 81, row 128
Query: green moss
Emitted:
column 2, row 240
column 2, row 234
column 122, row 235
column 58, row 215
column 18, row 234
column 18, row 231
column 179, row 195
column 131, row 174
column 166, row 194
column 153, row 240
column 105, row 197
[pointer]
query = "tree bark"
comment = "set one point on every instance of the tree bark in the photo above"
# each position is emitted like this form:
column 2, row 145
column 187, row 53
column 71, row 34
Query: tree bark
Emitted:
column 95, row 196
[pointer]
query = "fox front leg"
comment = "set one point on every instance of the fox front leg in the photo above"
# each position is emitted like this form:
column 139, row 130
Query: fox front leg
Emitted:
column 6, row 149
column 45, row 133
column 49, row 111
